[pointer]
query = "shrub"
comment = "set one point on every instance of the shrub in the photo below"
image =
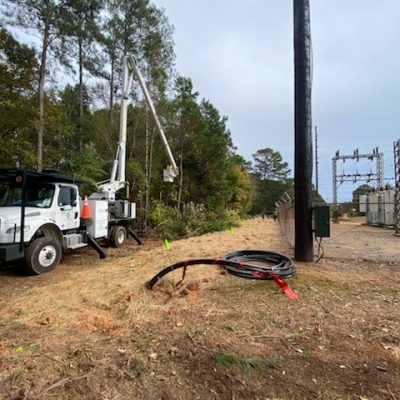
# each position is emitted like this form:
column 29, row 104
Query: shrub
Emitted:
column 166, row 221
column 193, row 219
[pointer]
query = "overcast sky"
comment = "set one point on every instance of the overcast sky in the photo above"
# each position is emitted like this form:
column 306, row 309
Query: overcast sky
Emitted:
column 239, row 54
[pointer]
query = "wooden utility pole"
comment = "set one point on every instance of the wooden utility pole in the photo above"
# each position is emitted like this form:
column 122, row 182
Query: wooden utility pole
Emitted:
column 303, row 132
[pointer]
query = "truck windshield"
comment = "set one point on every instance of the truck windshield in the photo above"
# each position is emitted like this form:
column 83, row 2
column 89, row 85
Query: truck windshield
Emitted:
column 40, row 195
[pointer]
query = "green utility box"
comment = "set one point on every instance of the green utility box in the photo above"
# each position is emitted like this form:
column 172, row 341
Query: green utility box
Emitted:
column 322, row 221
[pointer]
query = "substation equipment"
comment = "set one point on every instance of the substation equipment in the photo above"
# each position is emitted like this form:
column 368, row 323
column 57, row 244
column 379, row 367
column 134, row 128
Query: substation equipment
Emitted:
column 376, row 176
column 382, row 206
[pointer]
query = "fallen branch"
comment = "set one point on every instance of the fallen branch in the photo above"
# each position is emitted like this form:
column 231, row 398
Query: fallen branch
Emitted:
column 63, row 381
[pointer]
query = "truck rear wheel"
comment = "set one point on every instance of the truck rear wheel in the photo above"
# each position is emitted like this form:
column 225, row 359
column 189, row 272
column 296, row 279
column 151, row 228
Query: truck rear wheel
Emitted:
column 42, row 255
column 117, row 236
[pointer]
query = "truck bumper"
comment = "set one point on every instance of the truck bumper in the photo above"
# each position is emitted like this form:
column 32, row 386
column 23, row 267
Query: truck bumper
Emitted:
column 10, row 252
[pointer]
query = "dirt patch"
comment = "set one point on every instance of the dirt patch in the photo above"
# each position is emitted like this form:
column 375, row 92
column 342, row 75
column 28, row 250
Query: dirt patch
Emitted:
column 90, row 329
column 358, row 241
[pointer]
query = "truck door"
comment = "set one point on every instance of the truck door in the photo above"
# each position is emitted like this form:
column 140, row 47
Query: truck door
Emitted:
column 67, row 208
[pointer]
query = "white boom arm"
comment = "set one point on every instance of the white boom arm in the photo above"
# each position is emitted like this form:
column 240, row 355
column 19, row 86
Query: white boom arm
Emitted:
column 174, row 170
column 118, row 181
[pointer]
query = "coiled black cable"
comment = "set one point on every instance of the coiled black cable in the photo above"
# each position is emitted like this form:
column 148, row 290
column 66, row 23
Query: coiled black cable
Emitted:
column 239, row 263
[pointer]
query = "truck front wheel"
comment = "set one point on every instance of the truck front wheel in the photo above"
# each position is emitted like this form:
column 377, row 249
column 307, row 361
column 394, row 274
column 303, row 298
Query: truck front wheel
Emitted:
column 42, row 255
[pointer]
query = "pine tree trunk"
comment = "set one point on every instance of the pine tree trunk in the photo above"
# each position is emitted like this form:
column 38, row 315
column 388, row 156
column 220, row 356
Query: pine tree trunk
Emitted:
column 42, row 77
column 180, row 177
column 80, row 94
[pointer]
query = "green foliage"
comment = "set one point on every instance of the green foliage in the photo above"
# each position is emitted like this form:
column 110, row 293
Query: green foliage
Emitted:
column 166, row 221
column 136, row 176
column 267, row 193
column 268, row 164
column 80, row 21
column 83, row 127
column 170, row 223
column 139, row 28
column 240, row 184
column 349, row 208
column 270, row 180
column 270, row 183
column 17, row 67
column 80, row 28
column 362, row 189
column 86, row 166
column 210, row 174
column 43, row 17
column 18, row 115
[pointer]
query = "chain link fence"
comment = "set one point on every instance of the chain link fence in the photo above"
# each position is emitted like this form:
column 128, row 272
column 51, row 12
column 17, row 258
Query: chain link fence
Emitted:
column 286, row 220
column 355, row 235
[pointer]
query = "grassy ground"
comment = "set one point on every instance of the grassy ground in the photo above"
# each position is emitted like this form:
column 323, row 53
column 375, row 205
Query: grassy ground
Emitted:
column 360, row 219
column 90, row 330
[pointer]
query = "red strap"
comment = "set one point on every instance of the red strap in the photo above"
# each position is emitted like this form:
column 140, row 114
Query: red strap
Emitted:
column 217, row 260
column 280, row 282
column 284, row 286
column 185, row 265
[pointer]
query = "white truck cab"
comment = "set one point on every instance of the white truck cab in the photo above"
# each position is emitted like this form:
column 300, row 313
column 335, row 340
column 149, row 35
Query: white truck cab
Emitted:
column 56, row 204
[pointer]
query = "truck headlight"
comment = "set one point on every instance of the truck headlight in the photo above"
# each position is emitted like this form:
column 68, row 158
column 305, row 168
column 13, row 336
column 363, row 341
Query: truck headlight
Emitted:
column 18, row 229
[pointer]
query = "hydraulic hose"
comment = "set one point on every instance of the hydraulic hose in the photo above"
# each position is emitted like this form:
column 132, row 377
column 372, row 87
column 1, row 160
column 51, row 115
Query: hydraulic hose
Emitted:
column 270, row 265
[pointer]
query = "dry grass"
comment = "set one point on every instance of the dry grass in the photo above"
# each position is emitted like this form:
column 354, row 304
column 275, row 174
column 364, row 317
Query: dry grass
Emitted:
column 90, row 330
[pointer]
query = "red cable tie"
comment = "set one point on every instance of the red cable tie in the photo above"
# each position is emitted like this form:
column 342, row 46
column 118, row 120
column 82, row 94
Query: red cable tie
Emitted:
column 262, row 275
column 185, row 265
column 217, row 260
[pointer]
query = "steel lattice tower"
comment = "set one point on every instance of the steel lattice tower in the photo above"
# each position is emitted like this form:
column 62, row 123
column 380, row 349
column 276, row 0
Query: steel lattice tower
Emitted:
column 357, row 177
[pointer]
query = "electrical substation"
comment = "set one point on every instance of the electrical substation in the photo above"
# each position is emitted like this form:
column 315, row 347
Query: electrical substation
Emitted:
column 381, row 205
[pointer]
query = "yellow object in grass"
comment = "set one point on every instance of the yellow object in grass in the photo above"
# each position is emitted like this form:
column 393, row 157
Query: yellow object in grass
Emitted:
column 166, row 244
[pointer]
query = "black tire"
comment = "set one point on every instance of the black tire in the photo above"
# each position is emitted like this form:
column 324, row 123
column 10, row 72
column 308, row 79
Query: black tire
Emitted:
column 42, row 255
column 117, row 236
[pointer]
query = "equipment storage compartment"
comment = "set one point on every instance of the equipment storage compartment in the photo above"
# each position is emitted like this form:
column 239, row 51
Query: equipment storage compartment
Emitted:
column 99, row 214
column 122, row 209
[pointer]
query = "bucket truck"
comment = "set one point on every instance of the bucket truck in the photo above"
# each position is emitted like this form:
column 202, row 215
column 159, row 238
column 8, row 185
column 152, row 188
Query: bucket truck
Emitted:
column 42, row 213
